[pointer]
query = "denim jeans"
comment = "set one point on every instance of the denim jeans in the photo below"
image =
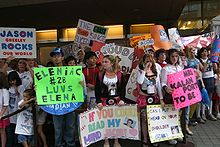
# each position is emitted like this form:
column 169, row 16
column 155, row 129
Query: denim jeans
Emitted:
column 64, row 126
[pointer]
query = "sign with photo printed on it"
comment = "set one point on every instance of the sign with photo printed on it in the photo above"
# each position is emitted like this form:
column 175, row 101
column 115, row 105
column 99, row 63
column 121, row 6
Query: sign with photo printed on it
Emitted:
column 163, row 123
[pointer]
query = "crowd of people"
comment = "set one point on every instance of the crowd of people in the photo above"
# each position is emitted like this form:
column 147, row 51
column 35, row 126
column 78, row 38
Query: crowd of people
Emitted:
column 104, row 84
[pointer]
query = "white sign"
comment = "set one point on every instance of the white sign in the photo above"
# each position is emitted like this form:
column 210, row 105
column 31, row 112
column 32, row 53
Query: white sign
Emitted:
column 110, row 122
column 131, row 87
column 87, row 32
column 163, row 123
column 147, row 42
column 71, row 49
column 175, row 38
column 17, row 42
column 124, row 53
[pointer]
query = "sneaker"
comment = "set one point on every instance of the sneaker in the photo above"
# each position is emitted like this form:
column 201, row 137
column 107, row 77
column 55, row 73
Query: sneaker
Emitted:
column 204, row 117
column 211, row 117
column 193, row 123
column 218, row 116
column 189, row 132
column 199, row 120
column 172, row 142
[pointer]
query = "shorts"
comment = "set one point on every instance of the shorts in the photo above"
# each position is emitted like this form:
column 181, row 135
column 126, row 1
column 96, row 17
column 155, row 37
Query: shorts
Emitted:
column 23, row 138
column 4, row 123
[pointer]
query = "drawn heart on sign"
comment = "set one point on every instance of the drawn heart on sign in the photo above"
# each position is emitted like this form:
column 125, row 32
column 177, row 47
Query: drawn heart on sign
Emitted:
column 133, row 132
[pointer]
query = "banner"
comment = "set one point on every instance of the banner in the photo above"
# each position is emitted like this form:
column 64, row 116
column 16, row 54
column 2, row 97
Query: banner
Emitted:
column 131, row 87
column 186, row 91
column 110, row 122
column 56, row 85
column 17, row 42
column 163, row 123
column 87, row 32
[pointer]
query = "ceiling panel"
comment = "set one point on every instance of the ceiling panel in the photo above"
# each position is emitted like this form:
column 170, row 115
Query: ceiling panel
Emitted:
column 67, row 12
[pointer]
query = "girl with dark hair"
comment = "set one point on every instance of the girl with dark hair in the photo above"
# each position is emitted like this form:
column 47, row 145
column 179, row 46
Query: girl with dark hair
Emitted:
column 149, row 88
column 15, row 95
column 4, row 102
column 208, row 78
column 110, row 87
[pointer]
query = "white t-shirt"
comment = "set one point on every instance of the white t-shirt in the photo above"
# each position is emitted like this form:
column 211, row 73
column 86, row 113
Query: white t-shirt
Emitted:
column 209, row 73
column 24, row 122
column 4, row 99
column 14, row 98
column 26, row 79
column 111, row 83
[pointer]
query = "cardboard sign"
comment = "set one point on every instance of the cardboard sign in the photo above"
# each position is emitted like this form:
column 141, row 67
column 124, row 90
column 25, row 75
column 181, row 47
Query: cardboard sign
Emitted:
column 175, row 38
column 56, row 85
column 17, row 42
column 186, row 91
column 110, row 122
column 131, row 87
column 87, row 32
column 61, row 109
column 124, row 53
column 163, row 124
column 71, row 49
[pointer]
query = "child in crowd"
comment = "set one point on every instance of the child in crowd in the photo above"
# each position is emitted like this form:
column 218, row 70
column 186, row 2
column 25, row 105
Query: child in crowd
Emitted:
column 4, row 102
column 15, row 95
column 91, row 71
column 24, row 127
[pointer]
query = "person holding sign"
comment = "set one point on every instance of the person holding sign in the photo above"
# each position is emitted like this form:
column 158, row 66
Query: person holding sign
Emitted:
column 110, row 87
column 173, row 66
column 64, row 124
column 149, row 88
column 90, row 71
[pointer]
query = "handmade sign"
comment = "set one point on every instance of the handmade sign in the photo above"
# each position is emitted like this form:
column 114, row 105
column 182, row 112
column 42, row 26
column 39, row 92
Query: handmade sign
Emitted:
column 131, row 87
column 71, row 49
column 110, row 122
column 124, row 53
column 56, row 85
column 17, row 42
column 163, row 123
column 186, row 91
column 215, row 51
column 87, row 32
column 175, row 38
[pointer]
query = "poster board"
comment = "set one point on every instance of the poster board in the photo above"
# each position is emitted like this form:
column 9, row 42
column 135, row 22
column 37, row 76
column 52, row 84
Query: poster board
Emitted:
column 186, row 91
column 163, row 123
column 110, row 122
column 18, row 42
column 56, row 85
column 88, row 32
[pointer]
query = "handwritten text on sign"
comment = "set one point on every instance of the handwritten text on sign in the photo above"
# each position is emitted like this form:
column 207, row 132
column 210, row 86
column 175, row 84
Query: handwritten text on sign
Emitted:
column 87, row 31
column 124, row 53
column 17, row 42
column 163, row 124
column 186, row 91
column 57, row 85
column 110, row 122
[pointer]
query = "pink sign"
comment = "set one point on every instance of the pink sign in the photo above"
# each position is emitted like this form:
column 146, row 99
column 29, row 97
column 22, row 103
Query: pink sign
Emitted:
column 186, row 91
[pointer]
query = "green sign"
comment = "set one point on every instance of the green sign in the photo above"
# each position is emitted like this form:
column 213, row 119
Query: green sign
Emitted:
column 56, row 85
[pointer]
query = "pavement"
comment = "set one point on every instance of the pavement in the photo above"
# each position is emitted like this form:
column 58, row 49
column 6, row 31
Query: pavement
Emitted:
column 205, row 135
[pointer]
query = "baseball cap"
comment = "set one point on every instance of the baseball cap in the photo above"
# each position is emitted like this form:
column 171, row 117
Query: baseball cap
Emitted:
column 56, row 51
